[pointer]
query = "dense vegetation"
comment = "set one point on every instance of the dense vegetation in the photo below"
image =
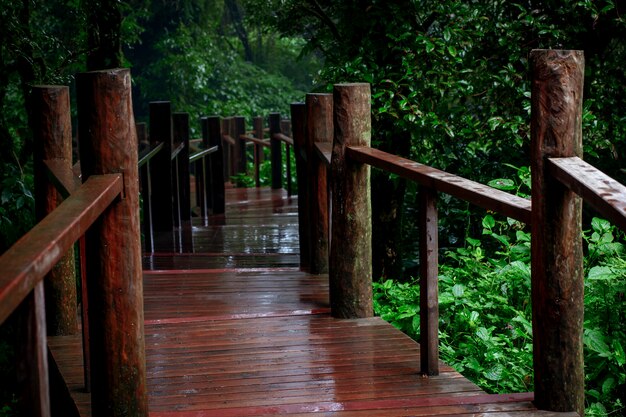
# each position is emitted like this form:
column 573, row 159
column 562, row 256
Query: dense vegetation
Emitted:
column 450, row 88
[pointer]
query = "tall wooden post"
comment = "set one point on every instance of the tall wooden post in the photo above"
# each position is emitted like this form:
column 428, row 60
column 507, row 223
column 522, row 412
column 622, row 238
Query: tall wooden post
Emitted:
column 181, row 135
column 350, row 266
column 214, row 138
column 108, row 144
column 161, row 167
column 53, row 140
column 298, row 116
column 556, row 247
column 234, row 148
column 429, row 287
column 226, row 146
column 276, row 147
column 319, row 129
column 240, row 129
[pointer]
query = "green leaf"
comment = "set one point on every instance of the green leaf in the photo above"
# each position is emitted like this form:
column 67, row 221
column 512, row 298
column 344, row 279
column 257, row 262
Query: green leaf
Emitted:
column 608, row 385
column 458, row 290
column 504, row 184
column 489, row 222
column 594, row 340
column 429, row 46
column 601, row 273
column 452, row 50
column 495, row 373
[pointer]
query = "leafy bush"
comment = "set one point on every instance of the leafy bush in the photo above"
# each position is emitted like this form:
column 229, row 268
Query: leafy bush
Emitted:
column 485, row 326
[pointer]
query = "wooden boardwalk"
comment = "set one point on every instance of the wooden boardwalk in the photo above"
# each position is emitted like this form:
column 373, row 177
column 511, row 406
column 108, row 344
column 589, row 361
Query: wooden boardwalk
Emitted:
column 234, row 328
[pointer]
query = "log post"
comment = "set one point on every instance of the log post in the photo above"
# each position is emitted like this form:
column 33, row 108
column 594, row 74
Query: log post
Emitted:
column 276, row 147
column 240, row 144
column 108, row 144
column 556, row 246
column 429, row 288
column 350, row 266
column 298, row 116
column 258, row 149
column 53, row 140
column 226, row 145
column 202, row 174
column 319, row 129
column 234, row 149
column 161, row 167
column 181, row 135
column 214, row 138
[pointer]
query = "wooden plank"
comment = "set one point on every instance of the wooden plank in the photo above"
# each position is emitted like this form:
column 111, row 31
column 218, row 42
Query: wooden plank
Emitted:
column 62, row 176
column 324, row 152
column 602, row 192
column 481, row 195
column 25, row 263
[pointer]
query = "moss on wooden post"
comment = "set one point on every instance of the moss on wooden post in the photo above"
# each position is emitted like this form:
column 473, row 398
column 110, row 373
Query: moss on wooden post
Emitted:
column 53, row 140
column 350, row 266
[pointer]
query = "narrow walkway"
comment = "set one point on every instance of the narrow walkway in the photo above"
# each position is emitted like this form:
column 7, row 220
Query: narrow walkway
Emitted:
column 236, row 329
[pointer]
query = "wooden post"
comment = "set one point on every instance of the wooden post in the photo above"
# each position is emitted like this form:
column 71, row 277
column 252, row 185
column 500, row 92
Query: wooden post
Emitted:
column 298, row 115
column 53, row 140
column 32, row 365
column 429, row 272
column 181, row 134
column 142, row 135
column 226, row 146
column 258, row 150
column 350, row 266
column 240, row 129
column 214, row 138
column 108, row 144
column 319, row 129
column 234, row 149
column 161, row 167
column 277, row 159
column 556, row 247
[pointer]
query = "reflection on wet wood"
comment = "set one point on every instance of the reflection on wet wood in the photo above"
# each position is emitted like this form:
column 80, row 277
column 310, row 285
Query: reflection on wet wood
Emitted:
column 232, row 329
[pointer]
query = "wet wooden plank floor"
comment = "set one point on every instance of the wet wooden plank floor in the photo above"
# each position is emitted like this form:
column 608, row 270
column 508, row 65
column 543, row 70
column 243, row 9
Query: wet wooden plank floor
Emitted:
column 234, row 328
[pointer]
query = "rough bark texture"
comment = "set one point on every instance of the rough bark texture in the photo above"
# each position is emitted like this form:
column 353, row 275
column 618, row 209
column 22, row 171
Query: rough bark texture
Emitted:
column 108, row 144
column 319, row 129
column 350, row 266
column 557, row 269
column 242, row 157
column 52, row 133
column 181, row 134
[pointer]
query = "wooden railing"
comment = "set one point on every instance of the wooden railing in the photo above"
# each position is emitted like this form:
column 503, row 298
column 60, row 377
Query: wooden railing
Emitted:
column 558, row 176
column 236, row 141
column 105, row 210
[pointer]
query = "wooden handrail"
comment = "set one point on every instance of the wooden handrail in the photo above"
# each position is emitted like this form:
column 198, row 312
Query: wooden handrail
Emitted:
column 324, row 151
column 602, row 192
column 63, row 178
column 283, row 138
column 177, row 150
column 254, row 140
column 27, row 262
column 229, row 139
column 199, row 155
column 481, row 195
column 149, row 153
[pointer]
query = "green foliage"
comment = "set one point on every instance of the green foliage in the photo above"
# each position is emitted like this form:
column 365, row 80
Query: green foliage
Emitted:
column 485, row 311
column 17, row 205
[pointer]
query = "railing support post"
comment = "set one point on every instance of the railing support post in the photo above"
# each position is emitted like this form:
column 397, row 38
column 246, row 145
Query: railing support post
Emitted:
column 298, row 117
column 108, row 144
column 161, row 167
column 429, row 271
column 53, row 140
column 277, row 160
column 181, row 135
column 319, row 129
column 350, row 266
column 214, row 138
column 240, row 144
column 556, row 247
